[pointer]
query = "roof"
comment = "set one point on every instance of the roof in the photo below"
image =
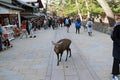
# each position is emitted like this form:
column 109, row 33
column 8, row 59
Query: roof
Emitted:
column 23, row 3
column 37, row 1
column 40, row 3
column 27, row 16
column 8, row 5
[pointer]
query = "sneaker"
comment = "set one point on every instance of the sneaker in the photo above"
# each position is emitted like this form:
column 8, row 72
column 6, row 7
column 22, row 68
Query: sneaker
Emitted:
column 30, row 37
column 34, row 36
column 114, row 77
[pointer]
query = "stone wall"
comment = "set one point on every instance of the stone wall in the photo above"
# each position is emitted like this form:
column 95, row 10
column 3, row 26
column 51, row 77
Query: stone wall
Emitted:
column 102, row 27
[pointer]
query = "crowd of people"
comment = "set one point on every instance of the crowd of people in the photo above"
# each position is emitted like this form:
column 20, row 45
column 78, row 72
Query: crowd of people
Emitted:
column 29, row 26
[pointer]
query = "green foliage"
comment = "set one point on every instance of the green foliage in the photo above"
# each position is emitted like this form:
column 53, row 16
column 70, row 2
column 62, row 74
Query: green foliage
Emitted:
column 70, row 8
column 116, row 10
column 115, row 6
column 96, row 9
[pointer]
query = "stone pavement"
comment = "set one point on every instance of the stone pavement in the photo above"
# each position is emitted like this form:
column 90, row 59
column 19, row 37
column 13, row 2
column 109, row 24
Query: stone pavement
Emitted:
column 34, row 58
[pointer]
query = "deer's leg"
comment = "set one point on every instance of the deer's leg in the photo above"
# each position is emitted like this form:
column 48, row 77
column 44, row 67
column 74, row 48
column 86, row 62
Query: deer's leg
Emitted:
column 61, row 56
column 57, row 59
column 66, row 55
column 70, row 52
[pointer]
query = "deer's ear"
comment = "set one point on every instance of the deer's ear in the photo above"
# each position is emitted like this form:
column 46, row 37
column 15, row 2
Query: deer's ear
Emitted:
column 53, row 43
column 60, row 42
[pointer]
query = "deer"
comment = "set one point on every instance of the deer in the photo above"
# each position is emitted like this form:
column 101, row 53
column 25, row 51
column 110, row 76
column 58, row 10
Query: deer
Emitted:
column 60, row 47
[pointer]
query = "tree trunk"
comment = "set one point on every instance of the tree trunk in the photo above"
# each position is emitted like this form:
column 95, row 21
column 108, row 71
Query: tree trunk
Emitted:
column 108, row 12
column 78, row 10
column 88, row 12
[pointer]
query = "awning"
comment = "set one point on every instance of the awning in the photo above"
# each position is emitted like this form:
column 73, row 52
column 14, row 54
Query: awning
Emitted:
column 28, row 16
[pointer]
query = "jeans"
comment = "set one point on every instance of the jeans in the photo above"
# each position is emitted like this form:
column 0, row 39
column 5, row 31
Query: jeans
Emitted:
column 0, row 44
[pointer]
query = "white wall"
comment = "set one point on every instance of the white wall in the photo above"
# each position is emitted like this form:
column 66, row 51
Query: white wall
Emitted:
column 9, row 1
column 7, row 11
column 4, row 10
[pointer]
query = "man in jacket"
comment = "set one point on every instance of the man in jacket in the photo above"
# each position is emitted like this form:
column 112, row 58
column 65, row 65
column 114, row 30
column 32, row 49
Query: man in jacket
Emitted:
column 68, row 23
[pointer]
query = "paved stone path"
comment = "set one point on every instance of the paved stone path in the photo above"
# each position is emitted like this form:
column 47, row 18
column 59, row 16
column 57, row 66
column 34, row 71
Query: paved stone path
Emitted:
column 34, row 58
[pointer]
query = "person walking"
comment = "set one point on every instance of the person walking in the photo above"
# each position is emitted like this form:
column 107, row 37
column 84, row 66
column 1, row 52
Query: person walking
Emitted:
column 30, row 26
column 27, row 27
column 1, row 31
column 115, row 36
column 78, row 25
column 89, row 27
column 49, row 21
column 31, row 29
column 67, row 23
column 24, row 31
column 34, row 24
column 53, row 23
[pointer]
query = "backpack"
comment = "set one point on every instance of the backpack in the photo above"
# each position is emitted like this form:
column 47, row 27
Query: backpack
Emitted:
column 67, row 21
column 1, row 31
column 89, row 26
column 77, row 24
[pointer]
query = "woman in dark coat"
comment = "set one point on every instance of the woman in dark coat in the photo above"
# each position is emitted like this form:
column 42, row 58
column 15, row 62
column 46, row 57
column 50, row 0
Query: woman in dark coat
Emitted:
column 116, row 50
column 0, row 37
column 78, row 25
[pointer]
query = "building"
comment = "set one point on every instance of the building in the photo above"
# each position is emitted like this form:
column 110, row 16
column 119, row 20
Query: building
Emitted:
column 9, row 14
column 30, row 8
column 12, row 11
column 39, row 7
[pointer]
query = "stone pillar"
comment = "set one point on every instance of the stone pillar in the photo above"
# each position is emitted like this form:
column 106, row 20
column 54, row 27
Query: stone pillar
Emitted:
column 19, row 19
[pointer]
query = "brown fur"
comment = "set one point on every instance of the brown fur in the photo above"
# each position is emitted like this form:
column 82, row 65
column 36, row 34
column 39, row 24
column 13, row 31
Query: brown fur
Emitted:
column 60, row 47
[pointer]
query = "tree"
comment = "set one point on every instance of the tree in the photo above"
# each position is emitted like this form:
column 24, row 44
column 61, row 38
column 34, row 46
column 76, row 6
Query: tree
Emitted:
column 108, row 11
column 115, row 6
column 87, row 7
column 79, row 12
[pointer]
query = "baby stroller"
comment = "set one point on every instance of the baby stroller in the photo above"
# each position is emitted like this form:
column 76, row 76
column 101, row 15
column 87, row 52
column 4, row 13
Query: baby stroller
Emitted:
column 5, row 42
